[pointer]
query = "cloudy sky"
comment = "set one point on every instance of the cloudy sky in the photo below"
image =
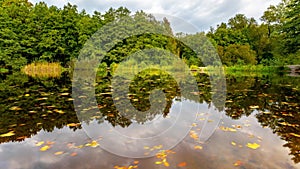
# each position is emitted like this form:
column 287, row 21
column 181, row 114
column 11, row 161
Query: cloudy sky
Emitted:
column 201, row 13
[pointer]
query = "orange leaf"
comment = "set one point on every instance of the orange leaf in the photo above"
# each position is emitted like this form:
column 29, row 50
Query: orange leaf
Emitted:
column 73, row 154
column 237, row 163
column 59, row 153
column 182, row 164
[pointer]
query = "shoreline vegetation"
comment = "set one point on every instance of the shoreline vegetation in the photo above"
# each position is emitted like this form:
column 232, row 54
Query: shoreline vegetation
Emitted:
column 43, row 69
column 54, row 69
column 44, row 40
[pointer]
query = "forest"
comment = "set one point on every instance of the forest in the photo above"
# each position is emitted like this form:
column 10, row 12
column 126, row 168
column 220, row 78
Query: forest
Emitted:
column 31, row 33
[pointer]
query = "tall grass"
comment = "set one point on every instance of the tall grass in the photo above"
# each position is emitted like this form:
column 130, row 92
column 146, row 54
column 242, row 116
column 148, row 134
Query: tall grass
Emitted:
column 43, row 69
column 242, row 70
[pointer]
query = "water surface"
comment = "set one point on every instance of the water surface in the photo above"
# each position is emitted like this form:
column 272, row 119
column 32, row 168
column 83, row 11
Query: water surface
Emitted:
column 39, row 127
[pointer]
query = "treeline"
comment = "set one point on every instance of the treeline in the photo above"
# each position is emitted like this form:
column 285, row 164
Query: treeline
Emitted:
column 31, row 33
column 275, row 41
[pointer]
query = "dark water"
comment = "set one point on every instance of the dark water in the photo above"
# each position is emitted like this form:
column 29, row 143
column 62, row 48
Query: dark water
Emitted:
column 257, row 128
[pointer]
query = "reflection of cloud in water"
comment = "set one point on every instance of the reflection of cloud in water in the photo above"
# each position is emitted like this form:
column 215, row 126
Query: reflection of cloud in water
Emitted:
column 130, row 141
column 217, row 152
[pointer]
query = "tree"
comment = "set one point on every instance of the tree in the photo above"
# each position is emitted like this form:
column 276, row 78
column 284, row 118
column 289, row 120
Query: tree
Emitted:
column 291, row 27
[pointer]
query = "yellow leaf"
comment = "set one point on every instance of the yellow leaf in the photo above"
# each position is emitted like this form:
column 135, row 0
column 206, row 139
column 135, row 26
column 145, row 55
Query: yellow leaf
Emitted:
column 40, row 143
column 294, row 134
column 166, row 164
column 73, row 124
column 11, row 133
column 253, row 145
column 92, row 144
column 80, row 146
column 26, row 95
column 233, row 143
column 253, row 107
column 198, row 147
column 59, row 153
column 158, row 162
column 228, row 129
column 16, row 108
column 193, row 135
column 59, row 111
column 45, row 148
column 146, row 147
column 231, row 129
column 158, row 147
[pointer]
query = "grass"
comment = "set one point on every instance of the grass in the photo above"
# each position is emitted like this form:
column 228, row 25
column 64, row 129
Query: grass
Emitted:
column 43, row 69
column 243, row 70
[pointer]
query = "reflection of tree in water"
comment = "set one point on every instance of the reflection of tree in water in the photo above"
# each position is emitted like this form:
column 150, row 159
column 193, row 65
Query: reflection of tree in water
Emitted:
column 278, row 101
column 139, row 95
column 29, row 105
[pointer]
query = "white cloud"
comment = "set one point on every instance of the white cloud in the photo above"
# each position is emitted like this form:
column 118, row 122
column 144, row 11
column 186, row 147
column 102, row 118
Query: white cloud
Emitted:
column 201, row 13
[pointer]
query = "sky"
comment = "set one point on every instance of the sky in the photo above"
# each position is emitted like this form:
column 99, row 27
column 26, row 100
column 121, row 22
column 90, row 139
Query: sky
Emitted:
column 200, row 13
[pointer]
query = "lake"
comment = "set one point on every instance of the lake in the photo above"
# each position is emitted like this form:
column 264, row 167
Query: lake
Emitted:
column 257, row 127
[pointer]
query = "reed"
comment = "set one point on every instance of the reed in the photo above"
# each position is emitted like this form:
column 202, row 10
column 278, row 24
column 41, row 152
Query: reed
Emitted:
column 43, row 69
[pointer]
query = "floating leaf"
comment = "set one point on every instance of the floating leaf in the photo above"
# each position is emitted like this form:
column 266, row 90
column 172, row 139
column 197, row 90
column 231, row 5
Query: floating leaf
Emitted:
column 73, row 124
column 166, row 164
column 59, row 111
column 182, row 164
column 158, row 162
column 238, row 163
column 59, row 153
column 158, row 147
column 253, row 107
column 253, row 145
column 227, row 129
column 45, row 148
column 22, row 137
column 15, row 108
column 26, row 95
column 237, row 126
column 92, row 144
column 294, row 134
column 11, row 133
column 193, row 135
column 233, row 143
column 80, row 146
column 39, row 143
column 50, row 142
column 198, row 147
column 73, row 154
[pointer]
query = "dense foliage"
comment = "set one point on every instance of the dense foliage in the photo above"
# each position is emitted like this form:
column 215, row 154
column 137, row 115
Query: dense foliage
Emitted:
column 30, row 33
